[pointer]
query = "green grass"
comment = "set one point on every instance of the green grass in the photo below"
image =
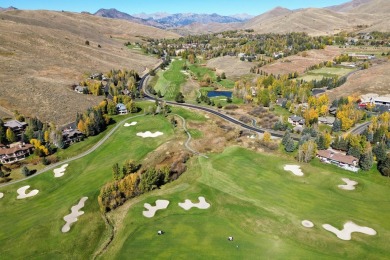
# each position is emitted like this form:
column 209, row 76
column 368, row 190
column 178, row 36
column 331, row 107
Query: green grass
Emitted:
column 31, row 228
column 169, row 81
column 188, row 114
column 195, row 133
column 200, row 71
column 331, row 72
column 258, row 203
column 280, row 111
column 226, row 83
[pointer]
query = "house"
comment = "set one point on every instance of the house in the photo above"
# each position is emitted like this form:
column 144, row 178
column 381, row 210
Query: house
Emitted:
column 15, row 152
column 296, row 120
column 71, row 135
column 327, row 120
column 121, row 109
column 281, row 101
column 333, row 110
column 16, row 126
column 346, row 162
column 362, row 56
column 80, row 89
column 382, row 101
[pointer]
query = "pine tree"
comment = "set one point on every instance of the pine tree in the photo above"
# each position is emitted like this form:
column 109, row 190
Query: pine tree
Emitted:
column 116, row 174
column 286, row 137
column 290, row 145
column 366, row 161
column 380, row 152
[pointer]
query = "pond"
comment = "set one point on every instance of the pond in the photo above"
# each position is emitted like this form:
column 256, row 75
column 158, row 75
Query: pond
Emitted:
column 219, row 93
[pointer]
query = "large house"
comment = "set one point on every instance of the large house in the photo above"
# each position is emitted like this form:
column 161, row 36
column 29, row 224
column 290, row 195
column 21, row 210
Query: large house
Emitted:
column 15, row 152
column 346, row 162
column 16, row 126
column 72, row 136
column 296, row 120
column 374, row 99
column 121, row 108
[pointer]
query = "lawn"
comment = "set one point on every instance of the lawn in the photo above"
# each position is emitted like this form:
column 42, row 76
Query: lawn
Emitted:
column 258, row 203
column 31, row 228
column 200, row 71
column 170, row 80
column 326, row 72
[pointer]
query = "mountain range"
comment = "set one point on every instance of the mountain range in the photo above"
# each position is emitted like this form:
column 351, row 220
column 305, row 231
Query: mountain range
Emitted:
column 166, row 21
column 368, row 15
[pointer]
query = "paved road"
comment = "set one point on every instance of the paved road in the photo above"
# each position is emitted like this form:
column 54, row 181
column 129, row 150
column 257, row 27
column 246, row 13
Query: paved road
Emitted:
column 212, row 111
column 93, row 148
column 359, row 129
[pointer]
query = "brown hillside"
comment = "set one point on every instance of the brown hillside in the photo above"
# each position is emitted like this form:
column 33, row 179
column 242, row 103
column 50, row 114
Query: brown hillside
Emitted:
column 43, row 52
column 373, row 80
column 311, row 20
column 372, row 7
column 348, row 6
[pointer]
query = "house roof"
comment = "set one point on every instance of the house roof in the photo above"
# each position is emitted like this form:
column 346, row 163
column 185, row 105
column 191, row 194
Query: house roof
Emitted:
column 296, row 118
column 14, row 124
column 5, row 151
column 327, row 119
column 120, row 106
column 348, row 159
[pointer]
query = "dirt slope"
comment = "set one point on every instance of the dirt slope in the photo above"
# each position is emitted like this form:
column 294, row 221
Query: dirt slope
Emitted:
column 43, row 52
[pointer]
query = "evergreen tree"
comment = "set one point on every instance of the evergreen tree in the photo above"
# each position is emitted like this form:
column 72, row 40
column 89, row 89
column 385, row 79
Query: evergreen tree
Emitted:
column 354, row 151
column 384, row 166
column 286, row 137
column 366, row 161
column 321, row 142
column 380, row 151
column 290, row 145
column 25, row 171
column 336, row 125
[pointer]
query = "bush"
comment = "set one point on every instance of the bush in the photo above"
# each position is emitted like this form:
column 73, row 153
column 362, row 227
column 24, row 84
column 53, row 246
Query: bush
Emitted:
column 86, row 42
column 45, row 161
column 25, row 171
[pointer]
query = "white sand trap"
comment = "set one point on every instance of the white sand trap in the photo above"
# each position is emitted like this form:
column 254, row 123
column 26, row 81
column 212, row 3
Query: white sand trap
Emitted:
column 59, row 172
column 1, row 195
column 349, row 228
column 307, row 223
column 295, row 169
column 72, row 217
column 350, row 184
column 149, row 134
column 202, row 204
column 131, row 124
column 151, row 210
column 22, row 192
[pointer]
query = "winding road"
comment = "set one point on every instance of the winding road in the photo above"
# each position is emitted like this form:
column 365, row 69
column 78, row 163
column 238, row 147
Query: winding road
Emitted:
column 230, row 119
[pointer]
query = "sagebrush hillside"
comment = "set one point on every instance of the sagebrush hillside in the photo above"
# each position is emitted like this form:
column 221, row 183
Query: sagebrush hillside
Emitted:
column 42, row 53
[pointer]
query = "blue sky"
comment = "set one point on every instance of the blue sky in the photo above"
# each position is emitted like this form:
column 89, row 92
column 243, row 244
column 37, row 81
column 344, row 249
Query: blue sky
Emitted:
column 224, row 7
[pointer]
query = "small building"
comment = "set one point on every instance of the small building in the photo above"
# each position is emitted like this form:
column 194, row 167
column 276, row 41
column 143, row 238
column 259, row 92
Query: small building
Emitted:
column 15, row 152
column 346, row 162
column 80, row 89
column 296, row 120
column 281, row 101
column 121, row 109
column 327, row 120
column 333, row 110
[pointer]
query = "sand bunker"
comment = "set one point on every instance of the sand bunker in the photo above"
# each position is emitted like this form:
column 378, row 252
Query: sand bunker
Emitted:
column 22, row 192
column 1, row 195
column 349, row 228
column 59, row 172
column 151, row 210
column 350, row 184
column 72, row 217
column 188, row 204
column 307, row 223
column 295, row 169
column 149, row 134
column 131, row 124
